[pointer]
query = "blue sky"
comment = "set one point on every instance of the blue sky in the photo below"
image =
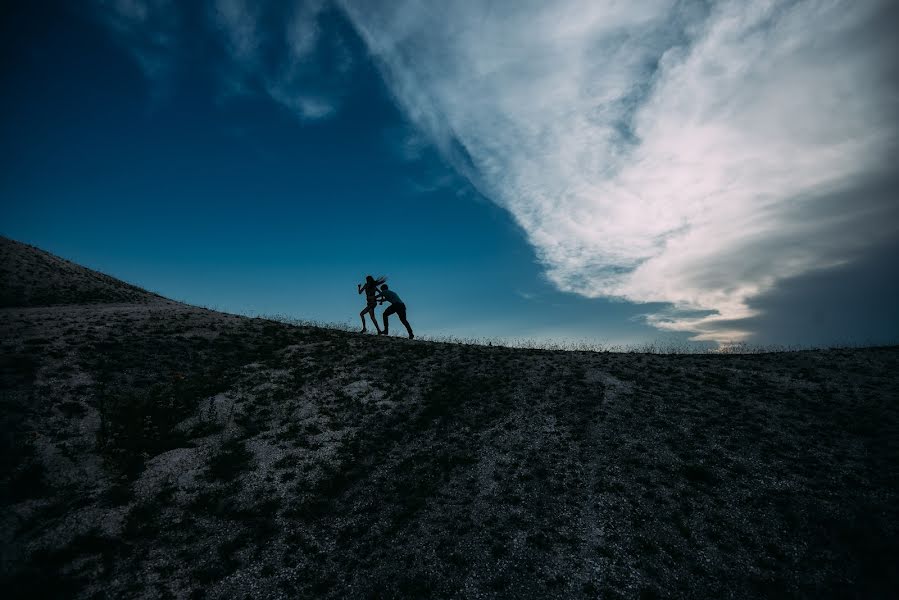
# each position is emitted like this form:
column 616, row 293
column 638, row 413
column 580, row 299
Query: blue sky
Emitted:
column 575, row 170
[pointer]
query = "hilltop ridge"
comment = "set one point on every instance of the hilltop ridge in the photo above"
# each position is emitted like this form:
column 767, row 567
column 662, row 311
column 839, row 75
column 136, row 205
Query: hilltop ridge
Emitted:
column 156, row 449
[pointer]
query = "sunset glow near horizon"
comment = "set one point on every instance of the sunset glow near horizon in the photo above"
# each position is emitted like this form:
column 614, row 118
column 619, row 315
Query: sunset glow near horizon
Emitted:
column 619, row 172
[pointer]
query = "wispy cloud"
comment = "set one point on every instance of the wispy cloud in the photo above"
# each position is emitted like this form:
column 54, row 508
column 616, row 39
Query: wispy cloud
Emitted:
column 269, row 48
column 684, row 152
column 148, row 28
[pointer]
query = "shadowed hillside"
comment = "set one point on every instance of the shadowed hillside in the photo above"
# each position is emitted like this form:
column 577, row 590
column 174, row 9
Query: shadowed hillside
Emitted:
column 152, row 448
column 31, row 277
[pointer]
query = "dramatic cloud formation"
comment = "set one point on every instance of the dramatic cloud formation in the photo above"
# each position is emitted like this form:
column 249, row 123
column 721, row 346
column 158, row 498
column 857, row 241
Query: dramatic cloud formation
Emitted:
column 691, row 153
column 274, row 48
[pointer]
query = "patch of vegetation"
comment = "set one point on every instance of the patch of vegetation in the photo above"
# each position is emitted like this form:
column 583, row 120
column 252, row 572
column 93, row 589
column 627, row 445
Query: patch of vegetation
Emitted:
column 232, row 460
column 28, row 481
column 136, row 423
column 71, row 409
column 203, row 428
column 118, row 494
column 61, row 572
column 699, row 473
column 18, row 369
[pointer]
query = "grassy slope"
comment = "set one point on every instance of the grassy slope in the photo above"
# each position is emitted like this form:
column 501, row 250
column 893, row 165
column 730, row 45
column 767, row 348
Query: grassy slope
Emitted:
column 155, row 448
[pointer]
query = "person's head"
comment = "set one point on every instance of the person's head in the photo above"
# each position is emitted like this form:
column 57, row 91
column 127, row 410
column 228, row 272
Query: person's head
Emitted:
column 384, row 288
column 369, row 279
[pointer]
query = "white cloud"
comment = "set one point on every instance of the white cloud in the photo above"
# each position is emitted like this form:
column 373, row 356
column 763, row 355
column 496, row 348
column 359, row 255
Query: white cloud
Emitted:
column 280, row 62
column 293, row 83
column 312, row 108
column 657, row 151
column 303, row 30
column 237, row 20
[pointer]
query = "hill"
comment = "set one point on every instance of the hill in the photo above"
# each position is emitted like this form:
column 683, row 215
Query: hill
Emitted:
column 154, row 449
column 31, row 277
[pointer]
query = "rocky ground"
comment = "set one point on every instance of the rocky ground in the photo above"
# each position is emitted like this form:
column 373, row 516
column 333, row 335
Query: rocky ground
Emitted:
column 152, row 449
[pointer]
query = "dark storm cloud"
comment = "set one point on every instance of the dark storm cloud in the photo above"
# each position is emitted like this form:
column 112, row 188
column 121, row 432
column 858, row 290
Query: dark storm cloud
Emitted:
column 850, row 304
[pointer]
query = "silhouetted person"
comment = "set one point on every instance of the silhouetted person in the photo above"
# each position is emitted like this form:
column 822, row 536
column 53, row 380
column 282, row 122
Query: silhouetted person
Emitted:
column 370, row 287
column 396, row 306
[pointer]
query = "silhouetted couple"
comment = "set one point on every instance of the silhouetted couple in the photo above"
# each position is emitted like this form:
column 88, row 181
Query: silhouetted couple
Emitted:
column 377, row 292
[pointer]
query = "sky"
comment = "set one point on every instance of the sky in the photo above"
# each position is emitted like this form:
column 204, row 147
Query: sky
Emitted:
column 675, row 172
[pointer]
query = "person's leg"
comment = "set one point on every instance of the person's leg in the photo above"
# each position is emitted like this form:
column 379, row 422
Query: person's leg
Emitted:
column 374, row 319
column 362, row 316
column 401, row 312
column 408, row 328
column 390, row 310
